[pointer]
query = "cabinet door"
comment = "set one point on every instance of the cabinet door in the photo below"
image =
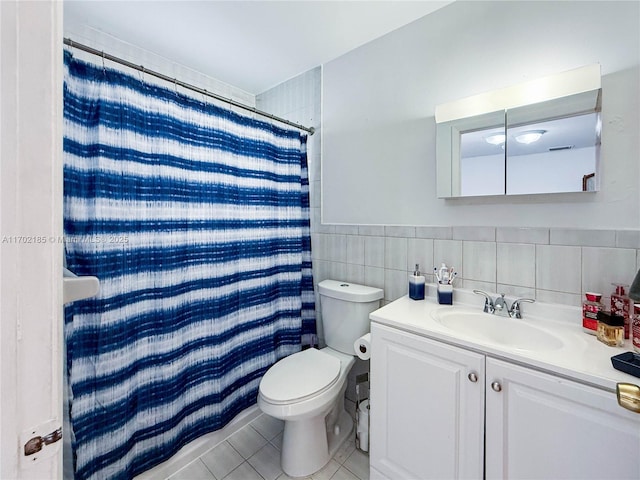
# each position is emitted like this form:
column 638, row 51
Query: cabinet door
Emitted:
column 542, row 426
column 427, row 416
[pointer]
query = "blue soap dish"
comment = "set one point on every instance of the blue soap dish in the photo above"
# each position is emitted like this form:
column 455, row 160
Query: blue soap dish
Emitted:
column 627, row 362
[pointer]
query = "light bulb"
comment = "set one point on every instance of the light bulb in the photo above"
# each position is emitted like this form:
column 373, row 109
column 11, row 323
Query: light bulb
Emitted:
column 496, row 139
column 530, row 136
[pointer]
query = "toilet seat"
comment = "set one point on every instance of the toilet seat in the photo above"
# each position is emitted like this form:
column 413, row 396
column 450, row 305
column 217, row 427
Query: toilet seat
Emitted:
column 300, row 376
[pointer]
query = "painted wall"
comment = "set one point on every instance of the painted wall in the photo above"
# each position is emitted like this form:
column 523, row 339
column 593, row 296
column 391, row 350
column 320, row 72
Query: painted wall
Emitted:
column 139, row 55
column 379, row 101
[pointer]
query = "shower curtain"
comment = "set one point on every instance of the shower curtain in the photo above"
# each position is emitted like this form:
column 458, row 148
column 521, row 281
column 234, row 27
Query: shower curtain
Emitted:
column 196, row 221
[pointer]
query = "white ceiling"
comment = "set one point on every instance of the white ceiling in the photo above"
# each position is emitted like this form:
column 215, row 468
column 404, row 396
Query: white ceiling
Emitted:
column 580, row 131
column 252, row 45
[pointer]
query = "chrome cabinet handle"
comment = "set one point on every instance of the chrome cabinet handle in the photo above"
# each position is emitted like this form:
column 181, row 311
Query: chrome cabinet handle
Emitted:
column 473, row 377
column 496, row 386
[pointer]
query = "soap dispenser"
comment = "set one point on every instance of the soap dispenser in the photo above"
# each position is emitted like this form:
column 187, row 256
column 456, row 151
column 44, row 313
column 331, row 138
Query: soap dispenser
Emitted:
column 416, row 285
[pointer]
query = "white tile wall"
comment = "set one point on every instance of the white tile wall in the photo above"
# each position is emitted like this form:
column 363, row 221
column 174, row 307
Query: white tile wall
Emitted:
column 395, row 253
column 516, row 264
column 440, row 233
column 628, row 239
column 374, row 250
column 374, row 277
column 481, row 234
column 519, row 262
column 420, row 251
column 479, row 261
column 355, row 250
column 571, row 236
column 449, row 252
column 603, row 266
column 522, row 235
column 396, row 283
column 558, row 268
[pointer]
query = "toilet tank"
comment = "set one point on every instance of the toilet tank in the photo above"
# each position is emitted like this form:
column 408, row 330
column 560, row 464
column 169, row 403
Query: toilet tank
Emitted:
column 345, row 312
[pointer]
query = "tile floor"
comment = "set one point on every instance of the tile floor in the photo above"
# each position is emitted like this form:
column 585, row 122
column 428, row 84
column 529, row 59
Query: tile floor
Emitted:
column 253, row 453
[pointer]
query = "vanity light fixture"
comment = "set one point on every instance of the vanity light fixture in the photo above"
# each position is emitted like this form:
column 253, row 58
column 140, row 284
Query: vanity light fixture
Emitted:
column 530, row 136
column 496, row 139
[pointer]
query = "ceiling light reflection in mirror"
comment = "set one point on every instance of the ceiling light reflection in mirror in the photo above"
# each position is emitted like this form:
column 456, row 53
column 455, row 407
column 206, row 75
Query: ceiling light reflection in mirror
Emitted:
column 545, row 157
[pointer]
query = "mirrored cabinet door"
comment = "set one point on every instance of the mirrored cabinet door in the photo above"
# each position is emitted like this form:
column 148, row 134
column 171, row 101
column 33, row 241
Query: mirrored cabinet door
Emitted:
column 552, row 156
column 544, row 139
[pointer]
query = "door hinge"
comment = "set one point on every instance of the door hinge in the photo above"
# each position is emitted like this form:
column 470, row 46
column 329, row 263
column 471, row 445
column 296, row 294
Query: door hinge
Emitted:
column 35, row 444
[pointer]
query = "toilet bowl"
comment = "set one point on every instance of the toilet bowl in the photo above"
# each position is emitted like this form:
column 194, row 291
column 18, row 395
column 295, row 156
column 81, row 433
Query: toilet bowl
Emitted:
column 307, row 389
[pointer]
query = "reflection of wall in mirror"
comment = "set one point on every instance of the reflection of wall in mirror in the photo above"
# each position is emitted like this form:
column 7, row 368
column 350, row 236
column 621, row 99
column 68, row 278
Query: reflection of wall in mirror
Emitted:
column 482, row 175
column 550, row 172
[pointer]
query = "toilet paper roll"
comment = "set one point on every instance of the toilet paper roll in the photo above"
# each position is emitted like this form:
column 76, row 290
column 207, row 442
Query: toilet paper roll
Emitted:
column 362, row 347
column 362, row 428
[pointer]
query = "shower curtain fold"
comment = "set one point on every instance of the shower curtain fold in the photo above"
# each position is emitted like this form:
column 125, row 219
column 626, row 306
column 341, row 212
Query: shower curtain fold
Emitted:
column 196, row 221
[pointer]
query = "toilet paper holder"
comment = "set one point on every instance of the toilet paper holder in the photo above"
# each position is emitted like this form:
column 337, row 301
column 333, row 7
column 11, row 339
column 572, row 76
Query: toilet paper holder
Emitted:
column 362, row 412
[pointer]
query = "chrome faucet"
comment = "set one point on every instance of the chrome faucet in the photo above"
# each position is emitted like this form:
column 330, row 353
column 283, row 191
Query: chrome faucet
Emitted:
column 499, row 305
column 514, row 311
column 488, row 303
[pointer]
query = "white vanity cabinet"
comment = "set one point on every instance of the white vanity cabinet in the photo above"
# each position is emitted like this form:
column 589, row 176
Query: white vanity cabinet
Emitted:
column 440, row 411
column 543, row 426
column 427, row 408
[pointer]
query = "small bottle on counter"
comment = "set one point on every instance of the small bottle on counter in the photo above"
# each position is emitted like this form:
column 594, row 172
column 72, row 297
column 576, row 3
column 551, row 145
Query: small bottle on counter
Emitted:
column 610, row 329
column 635, row 327
column 416, row 285
column 621, row 305
column 590, row 308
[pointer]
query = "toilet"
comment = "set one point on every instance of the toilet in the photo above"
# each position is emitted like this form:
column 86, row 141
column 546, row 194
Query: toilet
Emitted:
column 307, row 389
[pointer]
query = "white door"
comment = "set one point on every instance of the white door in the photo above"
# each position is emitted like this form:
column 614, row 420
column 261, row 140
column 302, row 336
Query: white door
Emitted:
column 427, row 408
column 542, row 426
column 30, row 230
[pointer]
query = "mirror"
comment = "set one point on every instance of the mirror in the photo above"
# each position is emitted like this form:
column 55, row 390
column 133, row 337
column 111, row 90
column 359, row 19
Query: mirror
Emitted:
column 544, row 138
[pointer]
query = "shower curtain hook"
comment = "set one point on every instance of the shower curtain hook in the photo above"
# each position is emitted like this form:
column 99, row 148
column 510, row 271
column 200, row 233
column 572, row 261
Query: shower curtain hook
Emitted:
column 175, row 85
column 104, row 69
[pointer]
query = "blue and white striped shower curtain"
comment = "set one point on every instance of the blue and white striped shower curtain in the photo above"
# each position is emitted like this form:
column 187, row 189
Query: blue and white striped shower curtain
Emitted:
column 196, row 221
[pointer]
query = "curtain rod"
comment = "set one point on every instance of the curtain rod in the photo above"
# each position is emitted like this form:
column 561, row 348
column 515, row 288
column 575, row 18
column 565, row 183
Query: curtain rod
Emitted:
column 175, row 81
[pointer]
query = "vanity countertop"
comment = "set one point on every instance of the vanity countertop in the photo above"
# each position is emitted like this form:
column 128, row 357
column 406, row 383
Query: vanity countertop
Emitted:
column 582, row 357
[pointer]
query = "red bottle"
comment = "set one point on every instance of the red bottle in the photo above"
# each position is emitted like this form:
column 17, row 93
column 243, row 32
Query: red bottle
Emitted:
column 621, row 306
column 635, row 327
column 590, row 308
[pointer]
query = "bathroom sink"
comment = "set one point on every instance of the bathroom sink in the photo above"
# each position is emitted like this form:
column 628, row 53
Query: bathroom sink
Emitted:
column 505, row 331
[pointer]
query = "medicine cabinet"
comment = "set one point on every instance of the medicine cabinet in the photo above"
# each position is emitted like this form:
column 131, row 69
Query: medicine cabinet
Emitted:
column 542, row 136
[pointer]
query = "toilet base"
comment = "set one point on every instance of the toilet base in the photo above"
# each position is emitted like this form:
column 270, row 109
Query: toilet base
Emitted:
column 336, row 440
column 308, row 445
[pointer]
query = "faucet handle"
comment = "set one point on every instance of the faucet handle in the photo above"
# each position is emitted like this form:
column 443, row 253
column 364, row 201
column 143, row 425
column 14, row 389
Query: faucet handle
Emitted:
column 488, row 303
column 514, row 311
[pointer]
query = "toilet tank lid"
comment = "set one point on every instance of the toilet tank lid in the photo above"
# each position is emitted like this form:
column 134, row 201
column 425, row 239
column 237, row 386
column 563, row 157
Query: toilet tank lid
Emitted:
column 351, row 292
